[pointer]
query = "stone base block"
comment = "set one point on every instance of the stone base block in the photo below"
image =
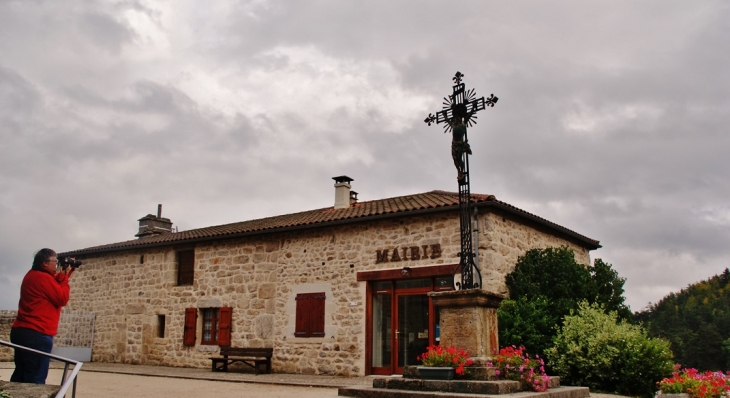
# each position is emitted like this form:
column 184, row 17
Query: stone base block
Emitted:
column 455, row 386
column 468, row 320
column 29, row 390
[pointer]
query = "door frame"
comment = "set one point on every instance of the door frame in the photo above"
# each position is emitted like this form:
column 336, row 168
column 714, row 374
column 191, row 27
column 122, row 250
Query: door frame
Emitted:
column 397, row 293
column 368, row 277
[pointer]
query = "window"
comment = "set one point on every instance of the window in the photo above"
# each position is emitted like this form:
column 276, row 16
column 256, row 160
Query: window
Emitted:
column 310, row 315
column 160, row 326
column 215, row 327
column 210, row 326
column 185, row 266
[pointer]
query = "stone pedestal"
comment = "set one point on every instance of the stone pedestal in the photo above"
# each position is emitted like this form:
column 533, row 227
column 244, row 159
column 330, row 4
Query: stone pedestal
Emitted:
column 29, row 390
column 468, row 320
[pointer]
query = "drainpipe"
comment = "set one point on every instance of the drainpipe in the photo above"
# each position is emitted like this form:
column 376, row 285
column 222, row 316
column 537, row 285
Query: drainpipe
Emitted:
column 475, row 236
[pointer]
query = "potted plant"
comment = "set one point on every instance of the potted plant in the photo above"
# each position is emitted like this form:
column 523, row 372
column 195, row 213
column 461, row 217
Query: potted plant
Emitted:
column 514, row 363
column 440, row 363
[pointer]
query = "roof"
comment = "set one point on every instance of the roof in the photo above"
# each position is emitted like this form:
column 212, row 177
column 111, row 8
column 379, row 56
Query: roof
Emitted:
column 408, row 205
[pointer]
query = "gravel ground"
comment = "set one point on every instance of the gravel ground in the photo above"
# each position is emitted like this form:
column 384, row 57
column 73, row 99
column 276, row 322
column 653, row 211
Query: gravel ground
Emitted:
column 106, row 385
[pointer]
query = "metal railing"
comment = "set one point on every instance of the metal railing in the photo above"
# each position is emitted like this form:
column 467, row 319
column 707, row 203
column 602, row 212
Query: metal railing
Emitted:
column 66, row 382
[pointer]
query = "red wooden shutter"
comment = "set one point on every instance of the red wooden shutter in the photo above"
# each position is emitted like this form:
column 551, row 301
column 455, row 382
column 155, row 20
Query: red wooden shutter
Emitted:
column 191, row 317
column 310, row 315
column 302, row 323
column 316, row 317
column 224, row 326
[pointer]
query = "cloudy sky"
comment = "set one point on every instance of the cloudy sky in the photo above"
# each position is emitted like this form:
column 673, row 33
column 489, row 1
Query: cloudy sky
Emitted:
column 612, row 118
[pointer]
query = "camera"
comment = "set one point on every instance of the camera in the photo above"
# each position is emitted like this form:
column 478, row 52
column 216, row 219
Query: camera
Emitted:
column 64, row 262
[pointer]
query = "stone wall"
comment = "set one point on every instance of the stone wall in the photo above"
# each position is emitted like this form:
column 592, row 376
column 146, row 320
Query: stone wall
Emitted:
column 502, row 240
column 259, row 277
column 6, row 320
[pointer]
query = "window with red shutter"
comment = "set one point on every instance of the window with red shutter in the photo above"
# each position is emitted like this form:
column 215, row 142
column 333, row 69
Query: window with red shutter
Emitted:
column 215, row 326
column 309, row 315
column 185, row 267
column 191, row 317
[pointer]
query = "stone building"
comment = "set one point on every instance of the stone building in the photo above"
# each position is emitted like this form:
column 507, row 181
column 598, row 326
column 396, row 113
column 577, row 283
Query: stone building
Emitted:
column 339, row 290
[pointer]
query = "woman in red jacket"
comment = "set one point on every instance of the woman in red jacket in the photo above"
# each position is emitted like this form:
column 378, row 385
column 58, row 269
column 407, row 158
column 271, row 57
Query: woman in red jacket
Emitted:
column 42, row 295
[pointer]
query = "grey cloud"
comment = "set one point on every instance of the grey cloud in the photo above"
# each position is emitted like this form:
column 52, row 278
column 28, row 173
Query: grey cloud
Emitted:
column 611, row 121
column 105, row 31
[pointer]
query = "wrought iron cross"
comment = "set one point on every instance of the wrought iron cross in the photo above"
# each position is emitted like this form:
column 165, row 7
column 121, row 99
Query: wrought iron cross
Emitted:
column 459, row 112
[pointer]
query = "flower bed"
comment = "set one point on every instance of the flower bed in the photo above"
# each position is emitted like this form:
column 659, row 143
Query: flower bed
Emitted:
column 696, row 384
column 514, row 363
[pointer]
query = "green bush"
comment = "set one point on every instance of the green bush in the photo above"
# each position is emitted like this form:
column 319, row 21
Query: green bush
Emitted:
column 594, row 350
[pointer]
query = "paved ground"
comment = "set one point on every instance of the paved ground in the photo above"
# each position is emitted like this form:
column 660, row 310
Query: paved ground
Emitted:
column 103, row 380
column 233, row 376
column 113, row 380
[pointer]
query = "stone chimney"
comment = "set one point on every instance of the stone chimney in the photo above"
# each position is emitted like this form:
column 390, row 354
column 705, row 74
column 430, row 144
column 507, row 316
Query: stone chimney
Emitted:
column 343, row 196
column 154, row 225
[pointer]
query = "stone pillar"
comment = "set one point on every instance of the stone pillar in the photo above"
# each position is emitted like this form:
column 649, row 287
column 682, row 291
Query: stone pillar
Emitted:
column 468, row 320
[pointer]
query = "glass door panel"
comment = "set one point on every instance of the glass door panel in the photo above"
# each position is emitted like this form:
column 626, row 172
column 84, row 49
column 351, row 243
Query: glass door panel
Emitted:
column 413, row 283
column 382, row 333
column 412, row 333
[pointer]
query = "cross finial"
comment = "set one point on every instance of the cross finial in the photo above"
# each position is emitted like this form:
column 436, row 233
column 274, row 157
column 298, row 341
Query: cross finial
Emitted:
column 457, row 77
column 460, row 107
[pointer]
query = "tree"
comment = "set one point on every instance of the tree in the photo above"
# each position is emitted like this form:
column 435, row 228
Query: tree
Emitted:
column 608, row 288
column 696, row 321
column 545, row 286
column 526, row 323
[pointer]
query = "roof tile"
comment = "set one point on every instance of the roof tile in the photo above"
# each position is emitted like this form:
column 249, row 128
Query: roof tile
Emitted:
column 360, row 210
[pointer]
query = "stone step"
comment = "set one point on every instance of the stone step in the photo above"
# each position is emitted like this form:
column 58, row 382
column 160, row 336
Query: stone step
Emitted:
column 372, row 392
column 457, row 386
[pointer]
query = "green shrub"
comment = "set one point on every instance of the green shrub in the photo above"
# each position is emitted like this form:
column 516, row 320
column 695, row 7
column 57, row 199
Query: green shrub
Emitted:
column 595, row 351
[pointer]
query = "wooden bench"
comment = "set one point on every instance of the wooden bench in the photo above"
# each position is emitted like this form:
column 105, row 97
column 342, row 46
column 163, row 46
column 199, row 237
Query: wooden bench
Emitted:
column 253, row 357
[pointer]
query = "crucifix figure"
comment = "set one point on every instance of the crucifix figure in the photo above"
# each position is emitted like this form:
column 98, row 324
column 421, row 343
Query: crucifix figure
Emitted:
column 459, row 147
column 459, row 112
